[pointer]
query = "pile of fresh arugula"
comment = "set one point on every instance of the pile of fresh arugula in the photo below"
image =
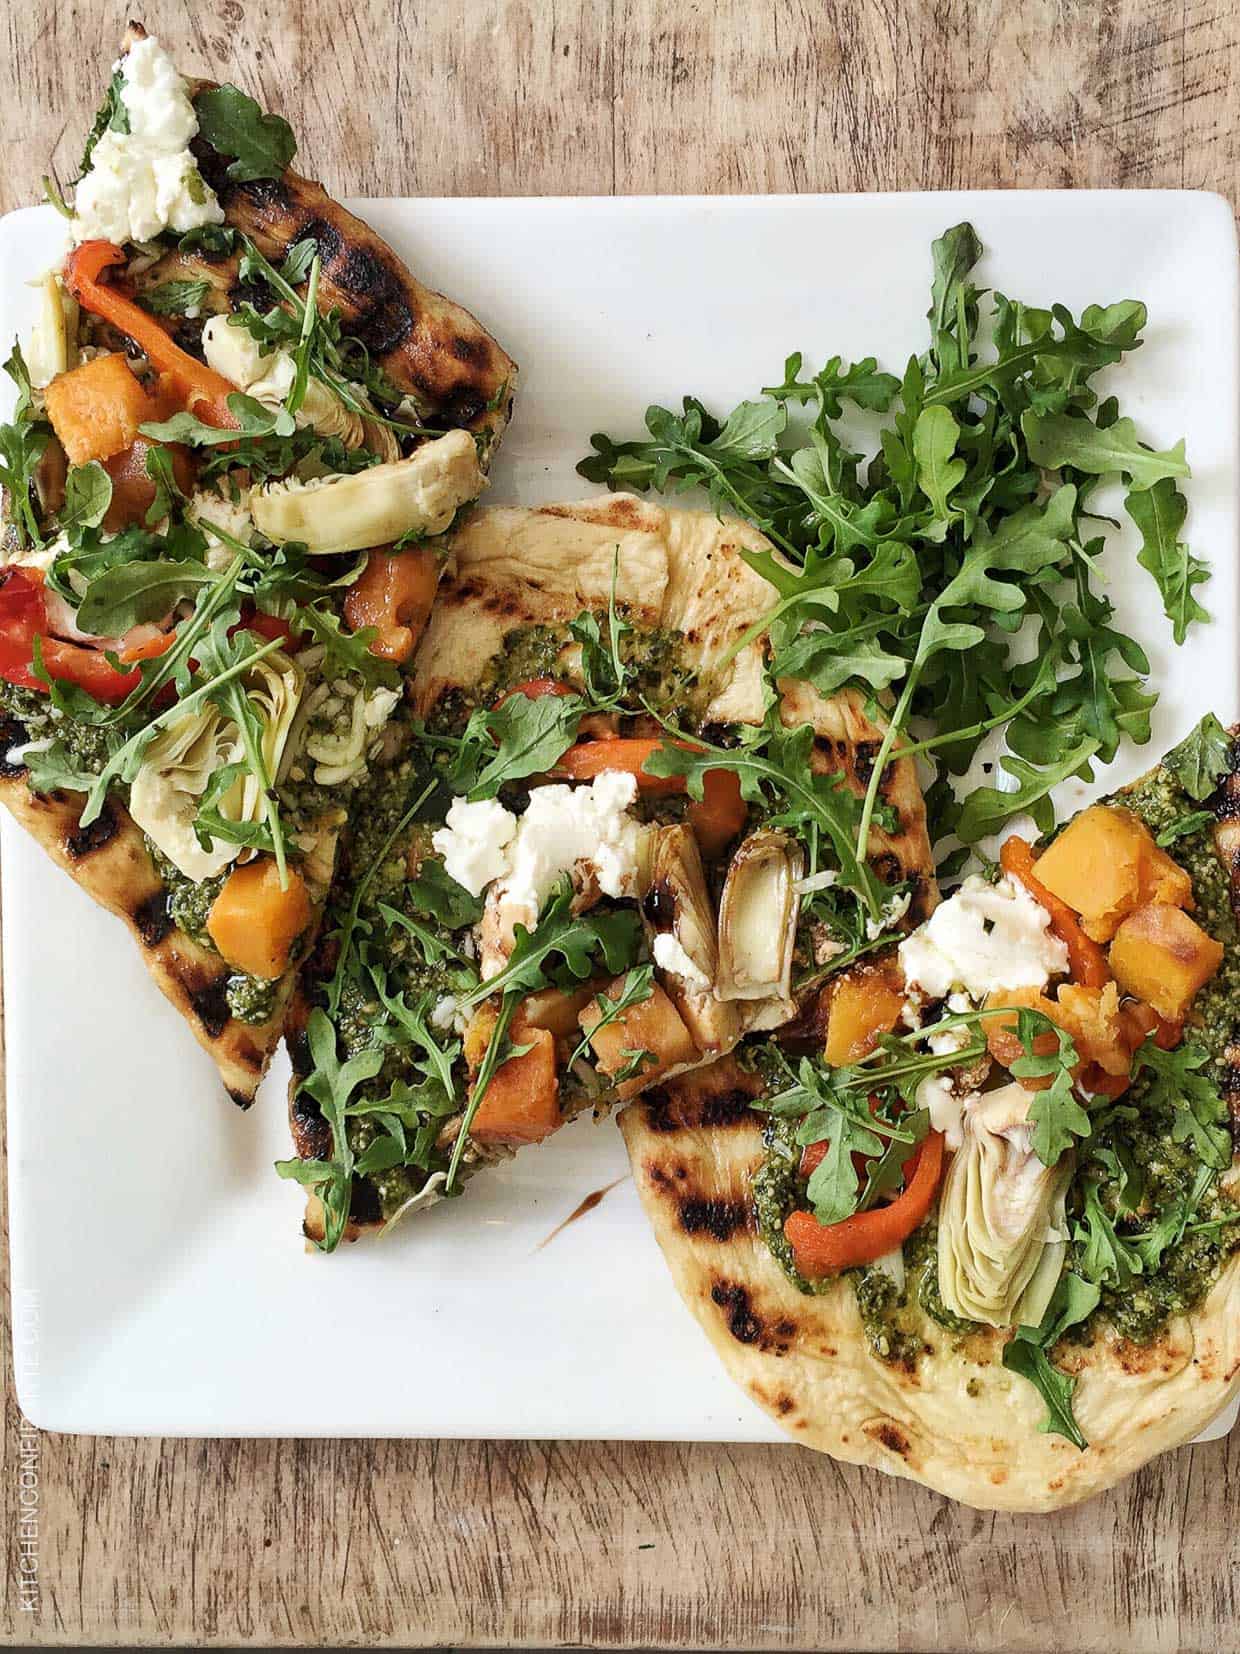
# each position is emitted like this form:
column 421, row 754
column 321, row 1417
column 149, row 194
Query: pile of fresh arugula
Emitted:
column 954, row 575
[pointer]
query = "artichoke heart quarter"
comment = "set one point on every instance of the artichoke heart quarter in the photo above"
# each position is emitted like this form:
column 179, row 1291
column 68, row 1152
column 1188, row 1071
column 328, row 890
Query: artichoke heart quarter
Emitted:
column 1001, row 1214
column 180, row 762
column 418, row 495
column 758, row 918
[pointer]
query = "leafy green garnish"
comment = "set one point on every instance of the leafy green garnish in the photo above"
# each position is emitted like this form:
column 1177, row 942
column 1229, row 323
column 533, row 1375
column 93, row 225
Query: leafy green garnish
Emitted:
column 22, row 442
column 583, row 941
column 130, row 594
column 1074, row 1300
column 1202, row 759
column 174, row 298
column 1054, row 1113
column 1193, row 821
column 111, row 116
column 436, row 893
column 1199, row 1114
column 519, row 738
column 88, row 494
column 1159, row 513
column 262, row 146
column 637, row 987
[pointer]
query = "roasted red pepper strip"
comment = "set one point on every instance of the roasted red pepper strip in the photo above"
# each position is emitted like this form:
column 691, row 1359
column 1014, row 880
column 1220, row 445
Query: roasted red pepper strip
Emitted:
column 23, row 617
column 820, row 1249
column 206, row 392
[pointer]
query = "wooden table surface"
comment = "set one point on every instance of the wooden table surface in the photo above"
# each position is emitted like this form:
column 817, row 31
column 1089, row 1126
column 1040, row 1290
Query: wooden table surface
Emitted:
column 279, row 1543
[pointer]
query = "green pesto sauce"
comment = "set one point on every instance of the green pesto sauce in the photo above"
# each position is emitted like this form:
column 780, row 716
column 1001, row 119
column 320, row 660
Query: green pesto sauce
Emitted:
column 87, row 744
column 660, row 674
column 250, row 998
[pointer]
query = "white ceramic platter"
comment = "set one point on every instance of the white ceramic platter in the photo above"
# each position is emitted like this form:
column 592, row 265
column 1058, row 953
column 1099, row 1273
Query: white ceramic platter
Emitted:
column 160, row 1284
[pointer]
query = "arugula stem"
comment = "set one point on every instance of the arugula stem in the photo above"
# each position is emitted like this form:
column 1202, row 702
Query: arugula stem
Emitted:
column 894, row 726
column 486, row 1072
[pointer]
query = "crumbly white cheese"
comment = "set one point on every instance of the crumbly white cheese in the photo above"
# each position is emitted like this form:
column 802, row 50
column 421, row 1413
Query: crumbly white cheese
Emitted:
column 670, row 956
column 945, row 1107
column 563, row 828
column 145, row 181
column 474, row 843
column 985, row 937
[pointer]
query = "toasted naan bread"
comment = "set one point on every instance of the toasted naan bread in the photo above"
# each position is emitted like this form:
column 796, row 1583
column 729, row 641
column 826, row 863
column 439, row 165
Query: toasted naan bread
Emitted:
column 958, row 1420
column 681, row 571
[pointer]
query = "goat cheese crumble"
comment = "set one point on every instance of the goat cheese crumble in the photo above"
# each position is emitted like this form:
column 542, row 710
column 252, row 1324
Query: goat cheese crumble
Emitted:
column 474, row 843
column 145, row 181
column 987, row 936
column 670, row 956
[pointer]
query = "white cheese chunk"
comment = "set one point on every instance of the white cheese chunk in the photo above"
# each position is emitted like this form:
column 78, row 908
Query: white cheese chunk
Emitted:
column 670, row 956
column 565, row 826
column 474, row 843
column 984, row 938
column 145, row 181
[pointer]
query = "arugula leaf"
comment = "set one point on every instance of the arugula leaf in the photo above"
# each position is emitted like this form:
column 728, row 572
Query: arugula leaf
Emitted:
column 531, row 736
column 1159, row 513
column 254, row 419
column 112, row 116
column 262, row 146
column 345, row 653
column 1193, row 821
column 174, row 298
column 214, row 241
column 131, row 594
column 53, row 768
column 1073, row 1301
column 1054, row 1113
column 1057, row 440
column 1199, row 1114
column 88, row 494
column 581, row 940
column 435, row 892
column 1202, row 759
column 934, row 443
column 861, row 383
column 22, row 442
column 331, row 1083
column 987, row 808
column 1105, row 1256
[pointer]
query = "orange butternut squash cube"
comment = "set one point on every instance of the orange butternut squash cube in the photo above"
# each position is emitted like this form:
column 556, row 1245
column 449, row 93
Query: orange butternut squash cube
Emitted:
column 1095, row 866
column 1092, row 1017
column 1003, row 1039
column 95, row 409
column 863, row 1006
column 1164, row 880
column 1162, row 956
column 254, row 923
column 653, row 1025
column 522, row 1102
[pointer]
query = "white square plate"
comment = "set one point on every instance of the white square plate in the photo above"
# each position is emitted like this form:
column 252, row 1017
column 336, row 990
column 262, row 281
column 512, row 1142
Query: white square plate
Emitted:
column 160, row 1284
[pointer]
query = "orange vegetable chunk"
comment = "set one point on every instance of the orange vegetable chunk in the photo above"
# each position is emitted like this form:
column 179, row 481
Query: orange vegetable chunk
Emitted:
column 254, row 923
column 95, row 409
column 133, row 491
column 863, row 1006
column 1162, row 956
column 652, row 1025
column 394, row 595
column 522, row 1102
column 1095, row 866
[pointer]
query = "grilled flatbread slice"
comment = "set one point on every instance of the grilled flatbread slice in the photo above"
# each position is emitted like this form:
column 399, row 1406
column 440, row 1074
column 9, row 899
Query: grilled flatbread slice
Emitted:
column 937, row 1405
column 516, row 579
column 133, row 333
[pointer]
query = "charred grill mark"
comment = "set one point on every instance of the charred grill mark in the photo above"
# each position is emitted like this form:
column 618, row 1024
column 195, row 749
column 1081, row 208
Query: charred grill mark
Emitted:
column 12, row 734
column 863, row 755
column 364, row 1204
column 242, row 1099
column 151, row 918
column 362, row 273
column 84, row 841
column 667, row 1111
column 312, row 1136
column 326, row 238
column 385, row 326
column 472, row 351
column 256, row 293
column 745, row 1325
column 210, row 1002
column 462, row 406
column 720, row 1219
column 887, row 866
column 888, row 1434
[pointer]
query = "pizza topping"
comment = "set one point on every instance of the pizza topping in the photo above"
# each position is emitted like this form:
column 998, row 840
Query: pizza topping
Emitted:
column 474, row 842
column 758, row 913
column 984, row 937
column 256, row 918
column 1002, row 1230
column 142, row 178
column 376, row 507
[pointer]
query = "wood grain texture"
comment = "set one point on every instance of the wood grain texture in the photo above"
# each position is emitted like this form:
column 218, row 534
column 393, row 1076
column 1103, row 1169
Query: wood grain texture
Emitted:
column 285, row 1543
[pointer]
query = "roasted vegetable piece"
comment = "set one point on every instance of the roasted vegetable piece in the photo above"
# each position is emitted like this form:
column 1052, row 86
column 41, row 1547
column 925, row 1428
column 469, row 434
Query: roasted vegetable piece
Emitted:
column 522, row 1102
column 96, row 409
column 1091, row 1016
column 555, row 1009
column 716, row 818
column 652, row 1025
column 1105, row 865
column 199, row 388
column 254, row 923
column 394, row 595
column 1003, row 1040
column 864, row 1004
column 821, row 1249
column 133, row 490
column 758, row 918
column 1162, row 956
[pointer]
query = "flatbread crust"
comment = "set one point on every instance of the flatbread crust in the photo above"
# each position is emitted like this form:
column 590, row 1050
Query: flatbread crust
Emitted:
column 110, row 861
column 958, row 1422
